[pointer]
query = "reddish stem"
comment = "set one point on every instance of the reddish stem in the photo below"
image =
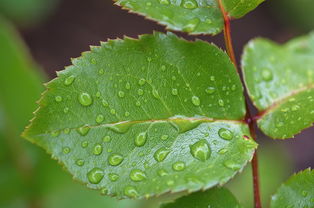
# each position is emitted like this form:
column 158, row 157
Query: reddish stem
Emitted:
column 248, row 117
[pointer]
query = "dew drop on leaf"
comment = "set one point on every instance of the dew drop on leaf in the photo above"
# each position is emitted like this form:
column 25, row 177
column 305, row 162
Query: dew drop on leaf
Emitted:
column 140, row 139
column 174, row 91
column 85, row 99
column 80, row 162
column 191, row 25
column 189, row 4
column 100, row 118
column 130, row 191
column 162, row 172
column 115, row 159
column 267, row 75
column 225, row 134
column 137, row 175
column 178, row 166
column 165, row 2
column 97, row 149
column 106, row 139
column 141, row 81
column 210, row 90
column 95, row 175
column 84, row 144
column 161, row 154
column 58, row 99
column 69, row 80
column 164, row 137
column 83, row 130
column 200, row 150
column 121, row 94
column 113, row 177
column 66, row 150
column 196, row 101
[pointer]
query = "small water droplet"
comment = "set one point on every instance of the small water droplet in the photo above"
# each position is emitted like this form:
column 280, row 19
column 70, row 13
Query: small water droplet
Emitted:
column 126, row 114
column 105, row 103
column 196, row 101
column 295, row 107
column 80, row 162
column 221, row 102
column 58, row 99
column 178, row 166
column 121, row 128
column 155, row 93
column 140, row 92
column 232, row 165
column 69, row 80
column 84, row 144
column 225, row 134
column 95, row 175
column 66, row 150
column 200, row 150
column 93, row 61
column 161, row 154
column 121, row 94
column 106, row 139
column 210, row 90
column 137, row 175
column 130, row 191
column 85, row 99
column 304, row 193
column 101, row 71
column 115, row 159
column 189, row 4
column 267, row 75
column 104, row 191
column 112, row 111
column 140, row 139
column 212, row 78
column 141, row 81
column 170, row 182
column 138, row 103
column 55, row 133
column 164, row 137
column 100, row 118
column 83, row 130
column 222, row 151
column 66, row 110
column 127, row 86
column 166, row 2
column 162, row 172
column 184, row 125
column 174, row 91
column 97, row 149
column 66, row 130
column 113, row 177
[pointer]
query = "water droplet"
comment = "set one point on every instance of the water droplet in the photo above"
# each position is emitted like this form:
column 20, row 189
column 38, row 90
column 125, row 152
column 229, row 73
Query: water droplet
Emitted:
column 55, row 133
column 141, row 81
column 304, row 193
column 112, row 111
column 66, row 150
column 101, row 71
column 161, row 154
column 104, row 191
column 127, row 86
column 121, row 94
column 233, row 87
column 83, row 130
column 196, row 101
column 162, row 172
column 295, row 107
column 100, row 118
column 66, row 130
column 138, row 103
column 105, row 103
column 140, row 92
column 163, row 67
column 121, row 128
column 200, row 150
column 115, row 159
column 225, row 134
column 140, row 140
column 232, row 165
column 113, row 176
column 58, row 99
column 66, row 110
column 166, row 2
column 170, row 182
column 210, row 90
column 85, row 99
column 164, row 137
column 155, row 93
column 84, row 144
column 93, row 61
column 221, row 102
column 184, row 125
column 174, row 91
column 189, row 4
column 191, row 25
column 69, row 80
column 130, row 191
column 137, row 175
column 106, row 139
column 126, row 113
column 267, row 74
column 212, row 78
column 178, row 166
column 97, row 149
column 95, row 175
column 222, row 151
column 80, row 162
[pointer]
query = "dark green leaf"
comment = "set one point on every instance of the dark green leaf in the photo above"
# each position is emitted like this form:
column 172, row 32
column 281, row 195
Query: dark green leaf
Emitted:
column 213, row 198
column 280, row 83
column 143, row 117
column 298, row 191
column 192, row 16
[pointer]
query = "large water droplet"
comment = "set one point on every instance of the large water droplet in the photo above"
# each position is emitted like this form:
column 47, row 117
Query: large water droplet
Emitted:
column 191, row 25
column 140, row 139
column 137, row 175
column 85, row 99
column 69, row 80
column 83, row 130
column 225, row 134
column 267, row 74
column 97, row 149
column 130, row 191
column 161, row 154
column 113, row 176
column 184, row 125
column 232, row 165
column 95, row 175
column 121, row 128
column 189, row 4
column 178, row 166
column 200, row 150
column 196, row 101
column 115, row 159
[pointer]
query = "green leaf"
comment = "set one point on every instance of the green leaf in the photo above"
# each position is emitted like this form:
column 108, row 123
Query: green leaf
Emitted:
column 192, row 16
column 298, row 191
column 144, row 117
column 213, row 198
column 280, row 83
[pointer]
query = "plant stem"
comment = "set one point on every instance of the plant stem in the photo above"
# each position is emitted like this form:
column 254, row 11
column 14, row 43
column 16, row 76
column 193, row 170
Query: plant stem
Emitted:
column 248, row 117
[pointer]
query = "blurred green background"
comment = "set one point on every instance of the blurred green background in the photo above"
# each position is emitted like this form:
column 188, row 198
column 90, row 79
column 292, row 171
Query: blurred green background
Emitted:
column 38, row 37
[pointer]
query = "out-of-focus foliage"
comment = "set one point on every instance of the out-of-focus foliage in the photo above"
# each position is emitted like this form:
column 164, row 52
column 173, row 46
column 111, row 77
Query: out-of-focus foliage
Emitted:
column 27, row 12
column 28, row 177
column 274, row 168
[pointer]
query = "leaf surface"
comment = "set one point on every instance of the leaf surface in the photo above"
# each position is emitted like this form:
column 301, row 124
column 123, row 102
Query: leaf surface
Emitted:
column 213, row 198
column 143, row 117
column 280, row 83
column 298, row 191
column 192, row 16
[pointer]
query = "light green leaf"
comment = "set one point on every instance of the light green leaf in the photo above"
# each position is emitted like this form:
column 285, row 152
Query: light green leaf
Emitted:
column 213, row 198
column 298, row 191
column 192, row 16
column 280, row 83
column 143, row 117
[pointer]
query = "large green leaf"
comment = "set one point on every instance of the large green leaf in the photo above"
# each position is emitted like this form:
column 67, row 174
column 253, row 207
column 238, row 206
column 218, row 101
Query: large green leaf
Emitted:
column 280, row 83
column 144, row 117
column 192, row 16
column 212, row 198
column 298, row 191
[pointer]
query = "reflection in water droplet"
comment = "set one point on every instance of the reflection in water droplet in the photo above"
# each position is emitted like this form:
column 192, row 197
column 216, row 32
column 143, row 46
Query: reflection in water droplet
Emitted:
column 95, row 175
column 85, row 99
column 161, row 154
column 115, row 159
column 137, row 175
column 140, row 139
column 178, row 166
column 225, row 134
column 200, row 150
